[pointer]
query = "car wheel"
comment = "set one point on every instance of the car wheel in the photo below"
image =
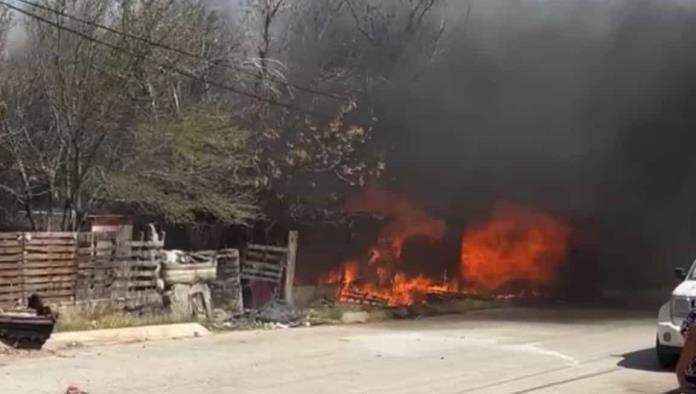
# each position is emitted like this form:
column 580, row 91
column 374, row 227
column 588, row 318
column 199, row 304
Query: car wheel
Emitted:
column 665, row 356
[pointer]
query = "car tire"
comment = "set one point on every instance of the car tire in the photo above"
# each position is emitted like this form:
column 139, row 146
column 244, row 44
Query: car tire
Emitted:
column 665, row 357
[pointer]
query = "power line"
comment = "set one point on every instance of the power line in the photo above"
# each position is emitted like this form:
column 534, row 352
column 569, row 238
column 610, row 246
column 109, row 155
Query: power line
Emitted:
column 176, row 50
column 164, row 65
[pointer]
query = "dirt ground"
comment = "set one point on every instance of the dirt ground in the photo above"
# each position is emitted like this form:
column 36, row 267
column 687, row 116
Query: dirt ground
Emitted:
column 493, row 351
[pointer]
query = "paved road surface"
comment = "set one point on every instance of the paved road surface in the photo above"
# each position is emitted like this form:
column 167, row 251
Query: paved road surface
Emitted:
column 500, row 351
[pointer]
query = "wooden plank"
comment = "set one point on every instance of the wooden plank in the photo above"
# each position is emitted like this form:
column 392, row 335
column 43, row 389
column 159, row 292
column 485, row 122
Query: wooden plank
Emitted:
column 293, row 238
column 50, row 263
column 145, row 244
column 11, row 273
column 11, row 249
column 51, row 279
column 228, row 253
column 11, row 258
column 10, row 264
column 9, row 299
column 261, row 265
column 96, row 264
column 36, row 257
column 49, row 271
column 11, row 235
column 269, row 253
column 260, row 278
column 274, row 259
column 56, row 293
column 277, row 274
column 52, row 234
column 96, row 260
column 9, row 282
column 38, row 287
column 50, row 248
column 268, row 274
column 263, row 273
column 36, row 279
column 99, row 248
column 50, row 242
column 140, row 263
column 97, row 276
column 267, row 248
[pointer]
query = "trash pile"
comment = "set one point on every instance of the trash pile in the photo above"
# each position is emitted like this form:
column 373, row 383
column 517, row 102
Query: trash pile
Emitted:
column 27, row 327
column 186, row 277
column 280, row 312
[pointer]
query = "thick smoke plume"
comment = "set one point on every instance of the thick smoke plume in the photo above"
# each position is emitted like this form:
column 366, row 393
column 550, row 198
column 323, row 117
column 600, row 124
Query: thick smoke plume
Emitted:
column 579, row 108
column 582, row 108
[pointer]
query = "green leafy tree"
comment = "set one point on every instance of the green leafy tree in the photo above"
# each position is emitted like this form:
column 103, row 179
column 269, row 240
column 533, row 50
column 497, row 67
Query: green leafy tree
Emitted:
column 191, row 168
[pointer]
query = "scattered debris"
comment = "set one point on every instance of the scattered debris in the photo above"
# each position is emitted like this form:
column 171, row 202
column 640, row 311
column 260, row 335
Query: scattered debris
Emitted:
column 279, row 311
column 74, row 389
column 27, row 328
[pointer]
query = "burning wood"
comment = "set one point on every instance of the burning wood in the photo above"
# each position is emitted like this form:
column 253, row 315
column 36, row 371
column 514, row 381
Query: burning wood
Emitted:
column 353, row 296
column 515, row 245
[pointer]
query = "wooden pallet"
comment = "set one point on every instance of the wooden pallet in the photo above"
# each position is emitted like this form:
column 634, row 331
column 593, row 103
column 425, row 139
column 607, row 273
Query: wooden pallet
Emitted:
column 264, row 263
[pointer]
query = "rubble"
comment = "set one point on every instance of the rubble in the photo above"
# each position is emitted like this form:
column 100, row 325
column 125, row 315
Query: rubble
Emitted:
column 279, row 311
column 27, row 328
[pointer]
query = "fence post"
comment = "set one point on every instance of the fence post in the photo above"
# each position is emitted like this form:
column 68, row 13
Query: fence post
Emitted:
column 290, row 266
column 24, row 237
column 76, row 265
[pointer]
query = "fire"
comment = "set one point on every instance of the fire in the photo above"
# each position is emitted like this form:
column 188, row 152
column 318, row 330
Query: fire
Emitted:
column 379, row 278
column 406, row 220
column 517, row 252
column 515, row 244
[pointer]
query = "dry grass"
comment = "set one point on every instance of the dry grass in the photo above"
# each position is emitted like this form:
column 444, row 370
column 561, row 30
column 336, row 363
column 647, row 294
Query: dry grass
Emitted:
column 96, row 317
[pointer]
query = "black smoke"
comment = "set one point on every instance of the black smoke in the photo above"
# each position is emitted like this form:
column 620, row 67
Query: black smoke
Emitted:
column 583, row 108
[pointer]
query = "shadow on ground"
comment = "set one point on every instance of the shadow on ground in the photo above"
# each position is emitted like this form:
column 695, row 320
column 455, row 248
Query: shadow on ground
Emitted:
column 643, row 360
column 21, row 345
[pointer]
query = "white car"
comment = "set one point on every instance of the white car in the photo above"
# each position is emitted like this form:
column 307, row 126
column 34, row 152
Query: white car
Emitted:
column 669, row 338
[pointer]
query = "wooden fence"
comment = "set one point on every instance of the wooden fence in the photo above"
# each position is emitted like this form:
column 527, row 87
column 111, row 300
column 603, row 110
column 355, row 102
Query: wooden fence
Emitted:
column 272, row 264
column 75, row 267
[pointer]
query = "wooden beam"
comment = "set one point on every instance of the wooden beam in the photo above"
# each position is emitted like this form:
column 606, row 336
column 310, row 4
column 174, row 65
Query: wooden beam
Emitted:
column 267, row 248
column 260, row 278
column 262, row 265
column 293, row 237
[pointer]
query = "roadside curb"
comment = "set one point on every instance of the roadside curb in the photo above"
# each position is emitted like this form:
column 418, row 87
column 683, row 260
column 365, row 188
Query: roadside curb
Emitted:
column 128, row 334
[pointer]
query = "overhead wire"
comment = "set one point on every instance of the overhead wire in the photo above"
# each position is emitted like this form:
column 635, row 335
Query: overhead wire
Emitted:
column 170, row 67
column 178, row 50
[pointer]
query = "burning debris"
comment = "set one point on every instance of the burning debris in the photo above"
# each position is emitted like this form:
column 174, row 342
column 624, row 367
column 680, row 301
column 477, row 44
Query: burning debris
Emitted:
column 378, row 278
column 517, row 252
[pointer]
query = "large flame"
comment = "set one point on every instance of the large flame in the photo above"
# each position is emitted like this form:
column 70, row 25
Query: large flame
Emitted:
column 515, row 244
column 515, row 247
column 379, row 277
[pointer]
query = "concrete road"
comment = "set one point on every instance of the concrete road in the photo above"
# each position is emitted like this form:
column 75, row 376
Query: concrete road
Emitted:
column 495, row 351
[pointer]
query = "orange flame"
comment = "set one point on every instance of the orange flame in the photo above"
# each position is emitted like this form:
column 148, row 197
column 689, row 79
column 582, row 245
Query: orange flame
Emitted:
column 406, row 219
column 380, row 277
column 514, row 244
